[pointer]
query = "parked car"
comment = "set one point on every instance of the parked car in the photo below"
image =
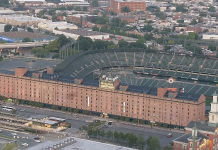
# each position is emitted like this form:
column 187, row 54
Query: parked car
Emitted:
column 25, row 144
column 169, row 135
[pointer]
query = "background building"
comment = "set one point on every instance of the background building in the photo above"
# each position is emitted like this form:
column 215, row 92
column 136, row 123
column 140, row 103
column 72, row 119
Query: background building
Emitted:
column 21, row 20
column 210, row 36
column 94, row 35
column 60, row 25
column 20, row 35
column 136, row 5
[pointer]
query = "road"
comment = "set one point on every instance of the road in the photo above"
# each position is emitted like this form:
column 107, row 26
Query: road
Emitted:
column 20, row 140
column 76, row 123
column 146, row 131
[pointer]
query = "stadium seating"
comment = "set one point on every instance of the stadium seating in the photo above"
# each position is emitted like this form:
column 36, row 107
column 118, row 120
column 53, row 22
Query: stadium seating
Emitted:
column 182, row 67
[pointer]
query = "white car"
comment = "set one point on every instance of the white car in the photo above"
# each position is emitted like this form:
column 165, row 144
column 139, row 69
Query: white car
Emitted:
column 14, row 134
column 37, row 141
column 22, row 110
column 25, row 144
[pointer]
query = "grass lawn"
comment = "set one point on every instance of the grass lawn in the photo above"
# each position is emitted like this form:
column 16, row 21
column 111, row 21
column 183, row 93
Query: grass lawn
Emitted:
column 208, row 101
column 9, row 146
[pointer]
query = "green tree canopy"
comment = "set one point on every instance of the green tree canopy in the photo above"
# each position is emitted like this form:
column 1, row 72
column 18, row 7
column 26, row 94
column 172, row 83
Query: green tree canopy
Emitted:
column 153, row 143
column 168, row 148
column 140, row 141
column 4, row 3
column 29, row 29
column 7, row 28
column 109, row 134
column 85, row 8
column 95, row 3
column 26, row 40
column 53, row 46
column 63, row 40
column 123, row 44
column 14, row 29
column 40, row 52
column 193, row 22
column 100, row 20
column 181, row 8
column 86, row 43
column 77, row 8
column 212, row 9
column 147, row 28
column 125, row 9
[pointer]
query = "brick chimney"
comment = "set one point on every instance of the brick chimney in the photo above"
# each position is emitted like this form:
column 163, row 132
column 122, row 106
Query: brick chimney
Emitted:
column 20, row 71
column 50, row 70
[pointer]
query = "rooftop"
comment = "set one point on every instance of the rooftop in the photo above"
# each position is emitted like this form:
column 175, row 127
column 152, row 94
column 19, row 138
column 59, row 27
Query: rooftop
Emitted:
column 83, row 32
column 24, row 18
column 201, row 126
column 185, row 137
column 80, row 144
column 24, row 34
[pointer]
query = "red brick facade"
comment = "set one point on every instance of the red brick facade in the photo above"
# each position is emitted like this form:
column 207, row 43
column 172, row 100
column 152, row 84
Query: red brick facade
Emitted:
column 116, row 102
column 116, row 5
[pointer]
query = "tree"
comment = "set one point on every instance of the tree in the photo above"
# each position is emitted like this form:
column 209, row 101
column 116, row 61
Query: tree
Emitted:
column 70, row 109
column 85, row 8
column 147, row 28
column 193, row 22
column 85, row 43
column 125, row 9
column 212, row 47
column 95, row 3
column 153, row 143
column 109, row 134
column 121, row 136
column 63, row 108
column 140, row 142
column 102, row 133
column 26, row 40
column 4, row 3
column 116, row 135
column 193, row 35
column 203, row 14
column 29, row 29
column 63, row 40
column 168, row 148
column 14, row 29
column 212, row 9
column 100, row 20
column 53, row 46
column 7, row 28
column 40, row 52
column 181, row 8
column 77, row 8
column 122, row 44
column 132, row 139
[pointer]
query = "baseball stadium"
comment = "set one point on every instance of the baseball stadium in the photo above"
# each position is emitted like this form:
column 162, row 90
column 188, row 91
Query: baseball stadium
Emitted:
column 133, row 83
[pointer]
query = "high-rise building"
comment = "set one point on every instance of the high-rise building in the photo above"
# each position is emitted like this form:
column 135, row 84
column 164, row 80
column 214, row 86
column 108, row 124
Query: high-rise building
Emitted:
column 134, row 5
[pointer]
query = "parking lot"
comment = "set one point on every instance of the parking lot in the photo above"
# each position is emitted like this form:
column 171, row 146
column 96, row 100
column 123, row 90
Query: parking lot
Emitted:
column 11, row 64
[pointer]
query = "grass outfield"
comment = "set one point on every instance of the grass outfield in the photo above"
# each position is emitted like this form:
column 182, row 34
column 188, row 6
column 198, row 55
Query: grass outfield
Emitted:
column 208, row 101
column 9, row 146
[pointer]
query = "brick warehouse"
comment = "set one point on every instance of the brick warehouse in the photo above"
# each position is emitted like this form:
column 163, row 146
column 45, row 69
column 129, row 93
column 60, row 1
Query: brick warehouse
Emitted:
column 117, row 5
column 147, row 93
column 161, row 106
